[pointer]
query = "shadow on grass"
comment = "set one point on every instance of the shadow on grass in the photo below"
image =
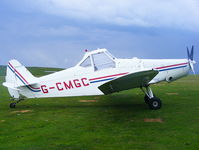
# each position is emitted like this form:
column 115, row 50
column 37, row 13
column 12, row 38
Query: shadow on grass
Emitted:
column 107, row 109
column 110, row 100
column 105, row 104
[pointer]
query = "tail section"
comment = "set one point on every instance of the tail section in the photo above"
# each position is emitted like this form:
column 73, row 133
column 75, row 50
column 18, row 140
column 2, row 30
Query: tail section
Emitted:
column 18, row 76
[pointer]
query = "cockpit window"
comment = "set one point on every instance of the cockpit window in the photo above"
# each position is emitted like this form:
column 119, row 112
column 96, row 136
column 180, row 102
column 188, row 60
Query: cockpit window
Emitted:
column 86, row 62
column 102, row 61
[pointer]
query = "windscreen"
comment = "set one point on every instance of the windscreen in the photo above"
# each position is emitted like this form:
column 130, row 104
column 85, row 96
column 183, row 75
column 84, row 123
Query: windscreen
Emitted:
column 86, row 62
column 102, row 61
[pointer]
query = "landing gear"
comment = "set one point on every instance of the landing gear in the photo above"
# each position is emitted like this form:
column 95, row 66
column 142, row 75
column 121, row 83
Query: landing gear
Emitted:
column 13, row 105
column 153, row 102
column 146, row 99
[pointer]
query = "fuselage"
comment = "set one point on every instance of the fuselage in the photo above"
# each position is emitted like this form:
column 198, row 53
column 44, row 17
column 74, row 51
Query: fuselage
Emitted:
column 82, row 81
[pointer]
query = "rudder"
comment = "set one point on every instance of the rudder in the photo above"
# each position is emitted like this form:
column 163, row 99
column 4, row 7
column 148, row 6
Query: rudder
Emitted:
column 17, row 76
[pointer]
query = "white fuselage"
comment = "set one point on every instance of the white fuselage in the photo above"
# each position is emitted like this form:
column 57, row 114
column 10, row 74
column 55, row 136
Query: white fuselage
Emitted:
column 80, row 81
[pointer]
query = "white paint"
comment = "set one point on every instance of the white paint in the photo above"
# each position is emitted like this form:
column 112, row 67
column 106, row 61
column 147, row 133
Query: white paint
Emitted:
column 82, row 80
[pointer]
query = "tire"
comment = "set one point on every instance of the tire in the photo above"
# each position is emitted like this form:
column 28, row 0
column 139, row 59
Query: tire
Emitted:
column 12, row 105
column 155, row 103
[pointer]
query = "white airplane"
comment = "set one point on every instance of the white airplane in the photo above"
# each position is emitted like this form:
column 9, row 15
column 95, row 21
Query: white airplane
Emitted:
column 97, row 73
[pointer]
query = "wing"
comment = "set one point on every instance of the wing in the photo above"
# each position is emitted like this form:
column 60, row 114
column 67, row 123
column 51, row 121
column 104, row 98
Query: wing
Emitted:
column 133, row 80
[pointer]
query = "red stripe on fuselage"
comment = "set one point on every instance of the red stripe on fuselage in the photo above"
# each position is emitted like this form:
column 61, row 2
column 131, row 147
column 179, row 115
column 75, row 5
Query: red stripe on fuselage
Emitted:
column 171, row 66
column 108, row 76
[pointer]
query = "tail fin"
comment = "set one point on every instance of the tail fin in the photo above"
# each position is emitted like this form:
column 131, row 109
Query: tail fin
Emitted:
column 18, row 76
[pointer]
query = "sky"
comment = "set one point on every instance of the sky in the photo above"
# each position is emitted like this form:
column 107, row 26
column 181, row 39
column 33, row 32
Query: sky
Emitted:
column 55, row 33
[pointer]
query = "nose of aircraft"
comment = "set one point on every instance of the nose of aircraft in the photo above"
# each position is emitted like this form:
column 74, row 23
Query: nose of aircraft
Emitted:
column 190, row 58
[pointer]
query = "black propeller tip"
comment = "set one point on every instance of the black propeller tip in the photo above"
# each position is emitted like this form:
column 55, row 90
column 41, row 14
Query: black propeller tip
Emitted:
column 190, row 53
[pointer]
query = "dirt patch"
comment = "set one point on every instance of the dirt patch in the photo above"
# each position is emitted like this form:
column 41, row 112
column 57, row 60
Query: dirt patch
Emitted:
column 153, row 120
column 21, row 111
column 86, row 101
column 172, row 93
column 2, row 120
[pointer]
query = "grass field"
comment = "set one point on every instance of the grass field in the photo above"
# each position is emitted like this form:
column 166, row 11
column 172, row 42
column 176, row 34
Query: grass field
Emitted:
column 120, row 121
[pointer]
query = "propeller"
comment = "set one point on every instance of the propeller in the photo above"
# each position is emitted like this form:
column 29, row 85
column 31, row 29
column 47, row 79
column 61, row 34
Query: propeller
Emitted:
column 190, row 58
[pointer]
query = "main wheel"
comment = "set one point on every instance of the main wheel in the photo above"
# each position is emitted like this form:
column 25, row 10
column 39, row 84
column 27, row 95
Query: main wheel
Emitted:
column 155, row 103
column 12, row 105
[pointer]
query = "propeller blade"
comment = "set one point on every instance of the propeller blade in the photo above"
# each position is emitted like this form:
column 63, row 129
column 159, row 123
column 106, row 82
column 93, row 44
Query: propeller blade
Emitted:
column 192, row 67
column 190, row 58
column 192, row 52
column 188, row 54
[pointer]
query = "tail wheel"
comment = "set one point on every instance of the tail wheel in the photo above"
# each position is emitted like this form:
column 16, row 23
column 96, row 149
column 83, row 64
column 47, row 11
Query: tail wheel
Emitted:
column 155, row 103
column 12, row 105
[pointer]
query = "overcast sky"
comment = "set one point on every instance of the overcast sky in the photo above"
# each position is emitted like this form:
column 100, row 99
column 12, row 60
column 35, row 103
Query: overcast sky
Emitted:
column 54, row 33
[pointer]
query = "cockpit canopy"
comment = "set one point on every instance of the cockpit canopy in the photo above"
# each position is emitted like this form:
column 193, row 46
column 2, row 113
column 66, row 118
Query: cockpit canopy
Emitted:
column 99, row 59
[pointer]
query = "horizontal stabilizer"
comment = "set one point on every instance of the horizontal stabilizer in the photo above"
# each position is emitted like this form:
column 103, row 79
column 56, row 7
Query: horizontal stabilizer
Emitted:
column 10, row 85
column 133, row 80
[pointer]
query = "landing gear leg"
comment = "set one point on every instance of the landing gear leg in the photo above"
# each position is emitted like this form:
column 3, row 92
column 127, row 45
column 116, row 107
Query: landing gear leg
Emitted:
column 152, row 101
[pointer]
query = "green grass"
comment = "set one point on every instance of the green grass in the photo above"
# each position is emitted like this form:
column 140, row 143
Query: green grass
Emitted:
column 114, row 122
column 2, row 70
